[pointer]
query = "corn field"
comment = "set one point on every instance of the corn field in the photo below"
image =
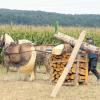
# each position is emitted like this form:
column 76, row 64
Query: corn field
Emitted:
column 44, row 34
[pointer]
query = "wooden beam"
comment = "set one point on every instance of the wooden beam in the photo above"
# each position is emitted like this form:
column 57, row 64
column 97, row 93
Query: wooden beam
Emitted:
column 86, row 75
column 77, row 71
column 70, row 40
column 69, row 64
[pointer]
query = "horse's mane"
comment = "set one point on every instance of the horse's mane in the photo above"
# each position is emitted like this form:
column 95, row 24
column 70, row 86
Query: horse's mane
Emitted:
column 8, row 39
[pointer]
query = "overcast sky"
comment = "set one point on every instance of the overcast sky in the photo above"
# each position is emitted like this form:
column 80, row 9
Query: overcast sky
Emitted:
column 59, row 6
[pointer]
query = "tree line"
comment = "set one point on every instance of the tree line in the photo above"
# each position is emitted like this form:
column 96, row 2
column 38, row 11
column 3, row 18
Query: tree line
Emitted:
column 8, row 16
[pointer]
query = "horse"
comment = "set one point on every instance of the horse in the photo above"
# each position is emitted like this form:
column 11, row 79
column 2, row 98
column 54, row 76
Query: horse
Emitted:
column 17, row 53
column 22, row 55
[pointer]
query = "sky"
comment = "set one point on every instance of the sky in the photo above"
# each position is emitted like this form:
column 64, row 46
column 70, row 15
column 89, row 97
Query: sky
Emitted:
column 58, row 6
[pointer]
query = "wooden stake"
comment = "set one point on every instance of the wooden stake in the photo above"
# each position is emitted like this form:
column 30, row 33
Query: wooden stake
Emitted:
column 86, row 76
column 77, row 71
column 69, row 64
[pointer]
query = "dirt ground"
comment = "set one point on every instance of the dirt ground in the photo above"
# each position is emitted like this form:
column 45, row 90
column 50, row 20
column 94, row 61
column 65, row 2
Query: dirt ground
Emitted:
column 40, row 89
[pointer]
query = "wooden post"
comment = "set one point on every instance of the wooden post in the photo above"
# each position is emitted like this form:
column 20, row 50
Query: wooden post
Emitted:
column 69, row 64
column 77, row 71
column 86, row 74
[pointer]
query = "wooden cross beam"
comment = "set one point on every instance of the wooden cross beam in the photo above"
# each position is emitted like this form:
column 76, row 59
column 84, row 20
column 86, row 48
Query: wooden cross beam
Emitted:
column 69, row 64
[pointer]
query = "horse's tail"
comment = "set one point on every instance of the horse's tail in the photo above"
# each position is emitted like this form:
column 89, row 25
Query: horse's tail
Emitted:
column 31, row 64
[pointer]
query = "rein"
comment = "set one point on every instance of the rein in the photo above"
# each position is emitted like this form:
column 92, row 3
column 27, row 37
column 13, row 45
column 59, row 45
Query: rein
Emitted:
column 30, row 51
column 3, row 49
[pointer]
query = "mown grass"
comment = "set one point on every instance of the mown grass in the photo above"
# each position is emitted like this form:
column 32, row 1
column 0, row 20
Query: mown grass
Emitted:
column 2, row 69
column 40, row 89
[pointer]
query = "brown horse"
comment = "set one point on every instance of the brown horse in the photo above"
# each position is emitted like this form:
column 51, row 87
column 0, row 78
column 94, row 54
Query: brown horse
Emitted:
column 23, row 55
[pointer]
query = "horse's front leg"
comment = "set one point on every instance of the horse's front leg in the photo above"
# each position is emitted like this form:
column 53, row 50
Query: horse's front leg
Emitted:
column 22, row 76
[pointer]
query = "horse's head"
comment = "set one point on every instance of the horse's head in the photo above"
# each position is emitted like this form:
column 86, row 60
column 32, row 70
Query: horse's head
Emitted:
column 2, row 40
column 5, row 40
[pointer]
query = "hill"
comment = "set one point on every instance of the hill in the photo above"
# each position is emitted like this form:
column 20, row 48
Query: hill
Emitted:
column 8, row 16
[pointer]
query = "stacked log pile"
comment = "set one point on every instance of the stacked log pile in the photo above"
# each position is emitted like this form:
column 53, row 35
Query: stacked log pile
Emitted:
column 79, row 70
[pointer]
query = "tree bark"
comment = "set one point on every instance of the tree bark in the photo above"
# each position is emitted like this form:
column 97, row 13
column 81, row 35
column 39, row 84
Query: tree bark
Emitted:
column 70, row 40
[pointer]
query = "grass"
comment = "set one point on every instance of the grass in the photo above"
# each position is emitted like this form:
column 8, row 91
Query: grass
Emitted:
column 41, row 89
column 98, row 65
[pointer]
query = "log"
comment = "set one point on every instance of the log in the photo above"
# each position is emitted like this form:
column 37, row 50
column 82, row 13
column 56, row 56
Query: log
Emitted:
column 59, row 62
column 70, row 40
column 57, row 50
